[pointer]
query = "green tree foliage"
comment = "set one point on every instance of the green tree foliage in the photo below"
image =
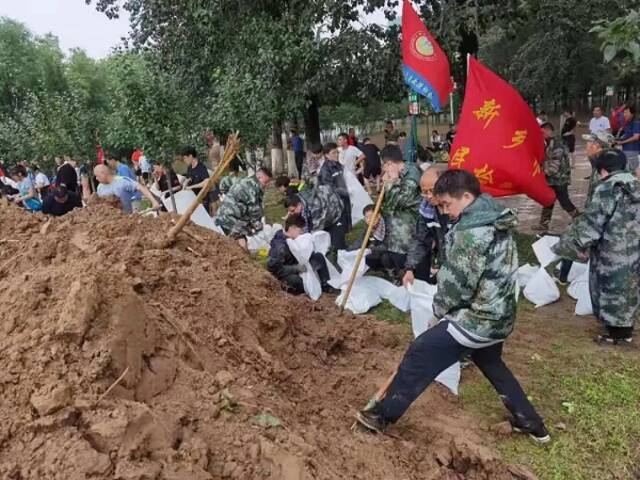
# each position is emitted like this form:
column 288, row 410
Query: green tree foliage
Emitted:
column 620, row 39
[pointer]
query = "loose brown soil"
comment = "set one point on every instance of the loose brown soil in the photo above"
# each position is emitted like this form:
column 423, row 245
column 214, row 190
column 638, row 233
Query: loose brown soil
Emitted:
column 208, row 345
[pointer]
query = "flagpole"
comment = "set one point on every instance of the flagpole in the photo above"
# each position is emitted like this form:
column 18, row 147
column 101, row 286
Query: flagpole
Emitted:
column 451, row 107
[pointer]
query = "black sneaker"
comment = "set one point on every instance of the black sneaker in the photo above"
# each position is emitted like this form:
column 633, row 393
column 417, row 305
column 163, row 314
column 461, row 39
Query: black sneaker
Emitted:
column 330, row 290
column 372, row 421
column 538, row 432
column 609, row 340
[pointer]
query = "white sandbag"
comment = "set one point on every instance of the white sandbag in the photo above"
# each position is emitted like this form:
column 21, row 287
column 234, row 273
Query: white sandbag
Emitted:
column 421, row 302
column 542, row 249
column 358, row 196
column 450, row 378
column 525, row 272
column 361, row 299
column 397, row 296
column 302, row 248
column 183, row 199
column 541, row 289
column 262, row 239
column 346, row 262
column 321, row 241
column 577, row 270
column 579, row 290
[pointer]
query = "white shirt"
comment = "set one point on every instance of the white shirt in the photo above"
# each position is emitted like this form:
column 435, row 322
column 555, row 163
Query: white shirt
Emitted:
column 599, row 124
column 145, row 165
column 349, row 156
column 42, row 180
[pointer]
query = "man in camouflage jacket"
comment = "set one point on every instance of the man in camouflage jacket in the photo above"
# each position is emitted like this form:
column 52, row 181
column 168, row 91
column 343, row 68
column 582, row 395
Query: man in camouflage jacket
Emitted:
column 321, row 207
column 557, row 169
column 240, row 214
column 401, row 199
column 609, row 229
column 476, row 305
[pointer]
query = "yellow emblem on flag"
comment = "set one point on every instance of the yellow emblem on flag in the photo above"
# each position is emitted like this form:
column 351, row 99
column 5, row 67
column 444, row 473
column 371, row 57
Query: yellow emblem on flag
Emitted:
column 518, row 139
column 459, row 156
column 536, row 168
column 484, row 175
column 489, row 110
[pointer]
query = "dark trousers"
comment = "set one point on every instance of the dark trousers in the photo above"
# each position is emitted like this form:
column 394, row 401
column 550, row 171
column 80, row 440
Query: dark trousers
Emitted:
column 299, row 156
column 565, row 268
column 338, row 234
column 562, row 195
column 293, row 283
column 436, row 350
column 423, row 270
column 385, row 260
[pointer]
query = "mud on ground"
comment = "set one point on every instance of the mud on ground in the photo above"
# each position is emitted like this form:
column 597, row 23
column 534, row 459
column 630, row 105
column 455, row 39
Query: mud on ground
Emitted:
column 209, row 353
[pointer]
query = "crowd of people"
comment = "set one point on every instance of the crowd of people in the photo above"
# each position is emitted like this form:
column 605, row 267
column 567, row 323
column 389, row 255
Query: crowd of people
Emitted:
column 434, row 225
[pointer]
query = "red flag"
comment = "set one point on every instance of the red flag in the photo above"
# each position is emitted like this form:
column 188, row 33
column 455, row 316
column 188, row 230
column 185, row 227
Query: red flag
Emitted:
column 424, row 64
column 499, row 139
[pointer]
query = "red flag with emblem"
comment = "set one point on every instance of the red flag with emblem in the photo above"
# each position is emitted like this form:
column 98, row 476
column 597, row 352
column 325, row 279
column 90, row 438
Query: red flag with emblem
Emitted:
column 498, row 138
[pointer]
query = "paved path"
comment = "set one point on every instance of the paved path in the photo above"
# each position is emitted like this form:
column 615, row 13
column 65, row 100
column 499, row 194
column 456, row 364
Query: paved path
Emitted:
column 529, row 211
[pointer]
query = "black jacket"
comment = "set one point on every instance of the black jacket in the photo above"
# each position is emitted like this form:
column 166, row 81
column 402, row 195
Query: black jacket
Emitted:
column 428, row 240
column 281, row 262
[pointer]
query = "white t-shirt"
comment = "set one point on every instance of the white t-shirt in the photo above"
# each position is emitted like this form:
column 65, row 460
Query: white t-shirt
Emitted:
column 599, row 124
column 145, row 165
column 42, row 180
column 349, row 156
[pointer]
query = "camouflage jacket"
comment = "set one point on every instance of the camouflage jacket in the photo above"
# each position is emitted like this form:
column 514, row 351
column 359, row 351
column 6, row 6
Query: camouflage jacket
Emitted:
column 240, row 213
column 226, row 183
column 400, row 209
column 477, row 282
column 322, row 207
column 609, row 229
column 557, row 163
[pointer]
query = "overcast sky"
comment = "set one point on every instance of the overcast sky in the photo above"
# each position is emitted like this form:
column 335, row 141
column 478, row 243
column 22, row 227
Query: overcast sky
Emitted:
column 77, row 24
column 74, row 22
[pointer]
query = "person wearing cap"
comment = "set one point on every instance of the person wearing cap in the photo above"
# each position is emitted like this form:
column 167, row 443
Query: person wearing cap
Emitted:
column 629, row 139
column 61, row 201
column 557, row 169
column 608, row 234
column 596, row 145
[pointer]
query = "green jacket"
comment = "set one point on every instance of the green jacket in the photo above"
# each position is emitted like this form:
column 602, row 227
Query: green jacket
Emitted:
column 400, row 209
column 240, row 213
column 609, row 229
column 477, row 282
column 557, row 163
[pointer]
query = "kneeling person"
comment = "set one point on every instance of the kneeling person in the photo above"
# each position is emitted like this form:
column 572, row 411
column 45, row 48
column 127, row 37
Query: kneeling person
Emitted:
column 284, row 266
column 476, row 305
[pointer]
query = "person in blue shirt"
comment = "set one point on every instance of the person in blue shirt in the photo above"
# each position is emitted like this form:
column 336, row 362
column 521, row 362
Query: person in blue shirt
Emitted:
column 629, row 139
column 297, row 145
column 27, row 195
column 121, row 187
column 123, row 170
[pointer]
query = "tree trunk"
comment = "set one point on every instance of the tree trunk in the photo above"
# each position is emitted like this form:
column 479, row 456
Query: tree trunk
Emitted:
column 277, row 157
column 312, row 123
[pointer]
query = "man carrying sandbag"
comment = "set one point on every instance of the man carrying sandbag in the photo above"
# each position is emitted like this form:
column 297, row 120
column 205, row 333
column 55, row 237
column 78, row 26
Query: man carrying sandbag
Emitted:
column 476, row 306
column 283, row 265
column 609, row 229
column 240, row 214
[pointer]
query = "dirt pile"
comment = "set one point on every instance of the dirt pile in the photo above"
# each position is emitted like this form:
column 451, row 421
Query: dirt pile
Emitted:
column 128, row 362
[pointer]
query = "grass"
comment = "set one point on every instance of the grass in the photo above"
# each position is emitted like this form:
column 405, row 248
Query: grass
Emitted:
column 590, row 401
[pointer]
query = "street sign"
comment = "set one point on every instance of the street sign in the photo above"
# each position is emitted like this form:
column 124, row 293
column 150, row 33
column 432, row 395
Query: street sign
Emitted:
column 609, row 91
